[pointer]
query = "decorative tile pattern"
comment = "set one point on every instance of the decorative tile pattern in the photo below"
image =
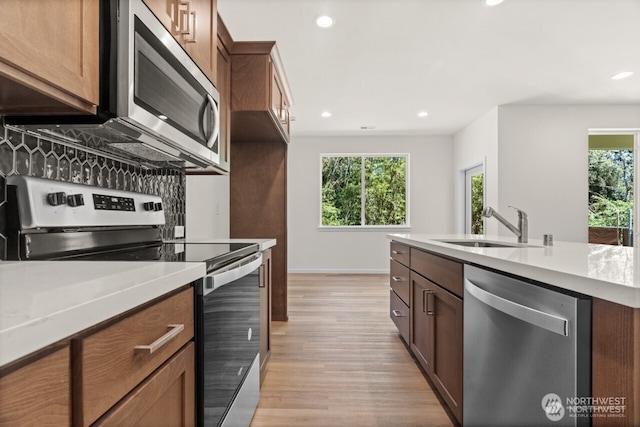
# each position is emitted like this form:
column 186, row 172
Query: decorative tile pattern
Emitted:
column 25, row 154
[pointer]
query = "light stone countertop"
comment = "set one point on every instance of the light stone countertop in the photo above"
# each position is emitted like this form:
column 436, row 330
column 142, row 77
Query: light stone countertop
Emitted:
column 610, row 273
column 43, row 302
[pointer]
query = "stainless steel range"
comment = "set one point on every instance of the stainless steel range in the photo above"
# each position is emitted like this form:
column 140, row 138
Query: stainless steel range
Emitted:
column 53, row 220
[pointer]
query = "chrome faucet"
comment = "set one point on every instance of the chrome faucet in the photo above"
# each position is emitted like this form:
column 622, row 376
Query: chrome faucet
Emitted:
column 522, row 230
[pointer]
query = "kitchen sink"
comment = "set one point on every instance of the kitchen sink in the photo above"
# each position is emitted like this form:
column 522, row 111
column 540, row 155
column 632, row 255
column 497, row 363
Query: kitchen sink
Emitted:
column 486, row 244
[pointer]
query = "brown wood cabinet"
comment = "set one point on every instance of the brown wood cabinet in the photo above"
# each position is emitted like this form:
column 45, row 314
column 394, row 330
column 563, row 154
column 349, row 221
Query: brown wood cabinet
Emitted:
column 265, row 312
column 38, row 393
column 223, row 84
column 193, row 23
column 166, row 398
column 260, row 94
column 49, row 57
column 111, row 362
column 430, row 288
column 400, row 295
column 258, row 207
column 258, row 183
column 437, row 339
column 615, row 360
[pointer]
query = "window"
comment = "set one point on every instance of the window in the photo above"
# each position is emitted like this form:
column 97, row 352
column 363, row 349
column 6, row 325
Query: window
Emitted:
column 364, row 190
column 474, row 200
column 611, row 185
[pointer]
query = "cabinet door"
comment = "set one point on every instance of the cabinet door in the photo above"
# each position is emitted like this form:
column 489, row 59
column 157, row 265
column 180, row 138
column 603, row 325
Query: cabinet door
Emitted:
column 420, row 334
column 49, row 56
column 279, row 106
column 436, row 338
column 166, row 398
column 445, row 328
column 191, row 24
column 39, row 393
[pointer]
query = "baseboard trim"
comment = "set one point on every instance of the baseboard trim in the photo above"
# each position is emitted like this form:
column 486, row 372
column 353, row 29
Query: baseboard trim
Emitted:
column 332, row 271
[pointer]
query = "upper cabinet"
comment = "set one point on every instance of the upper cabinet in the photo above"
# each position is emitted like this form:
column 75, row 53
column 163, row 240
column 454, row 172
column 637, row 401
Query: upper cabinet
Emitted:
column 193, row 23
column 49, row 57
column 260, row 93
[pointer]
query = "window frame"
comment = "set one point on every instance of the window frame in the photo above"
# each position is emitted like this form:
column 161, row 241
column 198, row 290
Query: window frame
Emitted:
column 366, row 227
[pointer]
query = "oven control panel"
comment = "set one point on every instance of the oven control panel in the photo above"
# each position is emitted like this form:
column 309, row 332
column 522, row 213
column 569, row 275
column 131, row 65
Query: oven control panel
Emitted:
column 46, row 203
column 113, row 203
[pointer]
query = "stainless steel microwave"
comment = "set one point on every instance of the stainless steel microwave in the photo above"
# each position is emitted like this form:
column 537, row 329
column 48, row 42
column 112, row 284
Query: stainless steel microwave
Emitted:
column 155, row 102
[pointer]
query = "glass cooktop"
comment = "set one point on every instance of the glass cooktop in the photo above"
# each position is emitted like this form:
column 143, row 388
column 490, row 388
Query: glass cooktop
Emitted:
column 215, row 255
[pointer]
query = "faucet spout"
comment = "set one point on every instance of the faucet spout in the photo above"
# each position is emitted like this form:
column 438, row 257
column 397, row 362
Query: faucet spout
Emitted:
column 521, row 231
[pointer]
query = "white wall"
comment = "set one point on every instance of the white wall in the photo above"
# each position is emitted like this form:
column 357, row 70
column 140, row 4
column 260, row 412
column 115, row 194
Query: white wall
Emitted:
column 543, row 162
column 477, row 144
column 207, row 211
column 431, row 202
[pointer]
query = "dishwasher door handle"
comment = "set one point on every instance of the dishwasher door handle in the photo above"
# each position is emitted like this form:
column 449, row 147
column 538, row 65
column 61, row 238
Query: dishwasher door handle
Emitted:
column 530, row 315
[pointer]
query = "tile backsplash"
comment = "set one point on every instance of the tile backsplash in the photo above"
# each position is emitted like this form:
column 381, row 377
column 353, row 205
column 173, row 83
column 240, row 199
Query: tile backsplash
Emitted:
column 25, row 154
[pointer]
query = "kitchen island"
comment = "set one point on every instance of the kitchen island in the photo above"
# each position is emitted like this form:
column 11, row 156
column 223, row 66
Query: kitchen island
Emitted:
column 607, row 274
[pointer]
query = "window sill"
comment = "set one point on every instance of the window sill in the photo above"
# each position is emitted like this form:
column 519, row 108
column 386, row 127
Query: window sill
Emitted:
column 384, row 228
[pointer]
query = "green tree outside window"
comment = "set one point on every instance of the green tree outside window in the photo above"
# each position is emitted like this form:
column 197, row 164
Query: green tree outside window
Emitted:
column 364, row 190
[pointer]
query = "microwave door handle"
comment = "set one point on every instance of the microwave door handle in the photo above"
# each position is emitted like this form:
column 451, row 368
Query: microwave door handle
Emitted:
column 211, row 139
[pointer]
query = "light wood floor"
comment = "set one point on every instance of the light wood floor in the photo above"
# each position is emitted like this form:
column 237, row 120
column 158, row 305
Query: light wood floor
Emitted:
column 339, row 361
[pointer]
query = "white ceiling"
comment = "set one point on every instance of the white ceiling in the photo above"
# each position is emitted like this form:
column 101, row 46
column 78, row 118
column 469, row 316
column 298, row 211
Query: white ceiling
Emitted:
column 386, row 60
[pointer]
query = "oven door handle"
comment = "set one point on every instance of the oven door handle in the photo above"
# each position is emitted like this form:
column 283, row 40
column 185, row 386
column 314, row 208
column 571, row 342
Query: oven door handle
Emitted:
column 231, row 273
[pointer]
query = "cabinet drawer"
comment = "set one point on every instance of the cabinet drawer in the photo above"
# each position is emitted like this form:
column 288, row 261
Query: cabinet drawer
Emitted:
column 399, row 280
column 399, row 313
column 400, row 253
column 442, row 271
column 109, row 365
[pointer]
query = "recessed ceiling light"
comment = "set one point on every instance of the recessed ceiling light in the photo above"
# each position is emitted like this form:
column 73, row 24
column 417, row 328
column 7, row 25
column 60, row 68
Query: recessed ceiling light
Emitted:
column 622, row 75
column 325, row 21
column 492, row 2
column 423, row 114
column 326, row 114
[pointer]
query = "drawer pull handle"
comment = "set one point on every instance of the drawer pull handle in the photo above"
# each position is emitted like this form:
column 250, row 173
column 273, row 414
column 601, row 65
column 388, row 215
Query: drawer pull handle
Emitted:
column 397, row 313
column 397, row 252
column 397, row 279
column 154, row 346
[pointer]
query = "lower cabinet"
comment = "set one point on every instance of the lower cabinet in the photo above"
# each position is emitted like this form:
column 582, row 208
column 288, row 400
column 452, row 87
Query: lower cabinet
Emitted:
column 39, row 393
column 137, row 369
column 437, row 339
column 167, row 397
column 140, row 366
column 427, row 308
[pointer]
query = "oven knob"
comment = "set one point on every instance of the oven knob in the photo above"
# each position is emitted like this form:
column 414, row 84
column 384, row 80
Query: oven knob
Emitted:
column 55, row 199
column 157, row 206
column 149, row 206
column 75, row 200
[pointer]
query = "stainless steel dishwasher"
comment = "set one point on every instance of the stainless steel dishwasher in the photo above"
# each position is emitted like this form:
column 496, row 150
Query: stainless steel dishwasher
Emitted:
column 527, row 352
